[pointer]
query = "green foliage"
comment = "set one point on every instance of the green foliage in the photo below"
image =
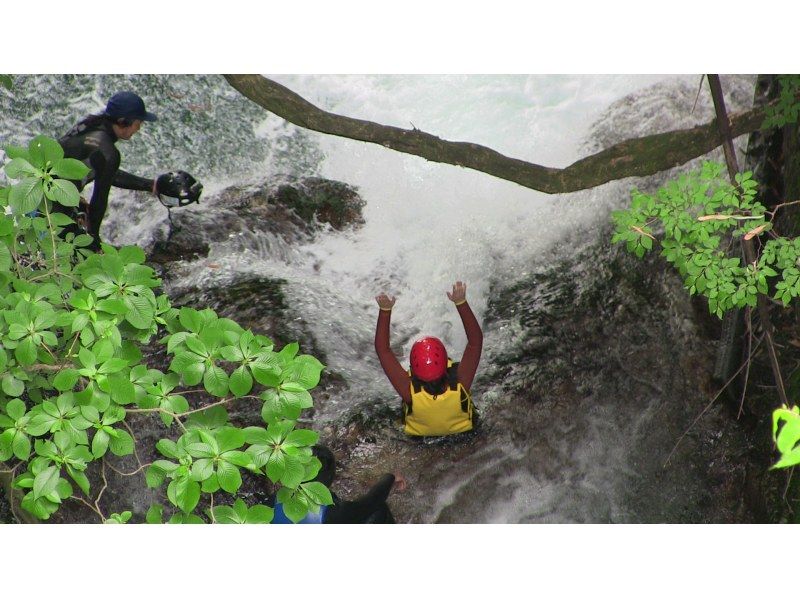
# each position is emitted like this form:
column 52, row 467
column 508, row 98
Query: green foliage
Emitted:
column 71, row 324
column 696, row 216
column 786, row 434
column 6, row 81
column 788, row 107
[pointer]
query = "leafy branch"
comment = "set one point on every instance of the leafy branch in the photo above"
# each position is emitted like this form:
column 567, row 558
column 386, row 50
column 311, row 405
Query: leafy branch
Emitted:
column 71, row 327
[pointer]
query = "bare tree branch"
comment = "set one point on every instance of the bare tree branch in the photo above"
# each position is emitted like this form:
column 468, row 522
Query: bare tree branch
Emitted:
column 634, row 157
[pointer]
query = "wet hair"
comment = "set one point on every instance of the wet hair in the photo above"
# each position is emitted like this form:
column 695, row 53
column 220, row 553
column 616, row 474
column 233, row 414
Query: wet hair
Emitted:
column 432, row 387
column 97, row 121
column 328, row 470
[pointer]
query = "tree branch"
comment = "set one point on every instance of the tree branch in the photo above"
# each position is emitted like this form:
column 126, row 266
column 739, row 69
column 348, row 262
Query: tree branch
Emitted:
column 634, row 157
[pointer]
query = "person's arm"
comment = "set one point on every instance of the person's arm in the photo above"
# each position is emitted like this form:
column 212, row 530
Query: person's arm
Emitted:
column 126, row 180
column 391, row 366
column 358, row 511
column 472, row 352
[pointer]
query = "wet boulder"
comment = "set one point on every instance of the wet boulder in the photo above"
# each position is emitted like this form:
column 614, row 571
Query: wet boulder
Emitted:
column 294, row 209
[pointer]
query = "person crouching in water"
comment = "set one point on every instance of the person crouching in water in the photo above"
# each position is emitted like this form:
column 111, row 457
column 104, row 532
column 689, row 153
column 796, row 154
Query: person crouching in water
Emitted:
column 435, row 390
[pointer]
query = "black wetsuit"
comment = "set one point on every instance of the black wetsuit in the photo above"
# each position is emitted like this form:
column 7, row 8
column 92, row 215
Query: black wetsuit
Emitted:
column 370, row 508
column 92, row 142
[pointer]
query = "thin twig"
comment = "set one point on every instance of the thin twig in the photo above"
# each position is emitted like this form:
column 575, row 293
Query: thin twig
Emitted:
column 135, row 452
column 783, row 205
column 103, row 489
column 134, row 472
column 703, row 412
column 749, row 353
column 88, row 504
column 699, row 89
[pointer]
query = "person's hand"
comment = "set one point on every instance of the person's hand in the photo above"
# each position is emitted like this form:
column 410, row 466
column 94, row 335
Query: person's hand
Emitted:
column 400, row 483
column 459, row 294
column 385, row 302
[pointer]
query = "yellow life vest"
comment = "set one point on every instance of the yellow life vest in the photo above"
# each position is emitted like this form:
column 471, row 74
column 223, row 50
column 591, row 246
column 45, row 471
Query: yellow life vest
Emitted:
column 439, row 415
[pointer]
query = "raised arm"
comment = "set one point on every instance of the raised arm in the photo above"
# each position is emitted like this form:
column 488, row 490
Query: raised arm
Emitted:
column 472, row 352
column 391, row 366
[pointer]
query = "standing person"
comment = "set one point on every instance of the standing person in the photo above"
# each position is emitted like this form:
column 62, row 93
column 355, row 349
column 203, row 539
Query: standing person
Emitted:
column 93, row 140
column 435, row 390
column 370, row 508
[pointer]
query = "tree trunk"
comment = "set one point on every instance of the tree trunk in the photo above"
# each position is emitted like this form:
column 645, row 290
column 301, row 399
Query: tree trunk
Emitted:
column 634, row 157
column 749, row 250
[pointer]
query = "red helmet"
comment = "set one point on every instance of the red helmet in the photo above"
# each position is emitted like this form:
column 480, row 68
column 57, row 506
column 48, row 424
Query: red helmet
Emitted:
column 428, row 359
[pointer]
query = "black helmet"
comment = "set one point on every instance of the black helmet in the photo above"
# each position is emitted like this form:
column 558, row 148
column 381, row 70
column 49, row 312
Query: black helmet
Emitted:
column 179, row 185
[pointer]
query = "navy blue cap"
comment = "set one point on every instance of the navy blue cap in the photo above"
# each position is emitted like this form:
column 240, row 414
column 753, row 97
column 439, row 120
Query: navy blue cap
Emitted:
column 126, row 104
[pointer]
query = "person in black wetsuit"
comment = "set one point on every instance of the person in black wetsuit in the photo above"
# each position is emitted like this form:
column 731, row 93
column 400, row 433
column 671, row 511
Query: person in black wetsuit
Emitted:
column 93, row 140
column 370, row 508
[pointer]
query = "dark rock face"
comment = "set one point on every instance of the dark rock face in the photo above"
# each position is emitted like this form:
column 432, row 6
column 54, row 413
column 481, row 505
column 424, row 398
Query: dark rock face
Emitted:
column 294, row 209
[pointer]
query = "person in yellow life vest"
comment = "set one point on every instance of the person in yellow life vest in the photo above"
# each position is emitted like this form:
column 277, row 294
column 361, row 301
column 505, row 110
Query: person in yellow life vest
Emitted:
column 435, row 390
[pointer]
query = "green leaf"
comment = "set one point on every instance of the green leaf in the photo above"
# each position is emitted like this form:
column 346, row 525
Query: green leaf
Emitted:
column 318, row 492
column 295, row 395
column 305, row 371
column 276, row 466
column 167, row 448
column 200, row 449
column 228, row 476
column 190, row 319
column 265, row 374
column 21, row 446
column 241, row 382
column 141, row 313
column 63, row 192
column 66, row 379
column 226, row 515
column 69, row 168
column 12, row 386
column 43, row 150
column 215, row 381
column 154, row 476
column 5, row 444
column 5, row 258
column 25, row 196
column 202, row 469
column 259, row 514
column 15, row 409
column 20, row 168
column 237, row 458
column 122, row 390
column 293, row 473
column 100, row 443
column 26, row 352
column 229, row 438
column 121, row 445
column 186, row 493
column 302, row 438
column 155, row 514
column 46, row 482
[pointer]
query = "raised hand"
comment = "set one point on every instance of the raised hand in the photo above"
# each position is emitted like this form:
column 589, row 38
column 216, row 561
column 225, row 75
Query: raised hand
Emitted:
column 459, row 293
column 385, row 301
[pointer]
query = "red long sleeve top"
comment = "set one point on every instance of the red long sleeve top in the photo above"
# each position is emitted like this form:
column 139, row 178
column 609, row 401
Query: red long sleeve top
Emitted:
column 398, row 375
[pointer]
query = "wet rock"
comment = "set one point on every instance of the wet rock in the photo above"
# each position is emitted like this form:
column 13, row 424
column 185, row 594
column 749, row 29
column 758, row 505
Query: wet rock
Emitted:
column 292, row 208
